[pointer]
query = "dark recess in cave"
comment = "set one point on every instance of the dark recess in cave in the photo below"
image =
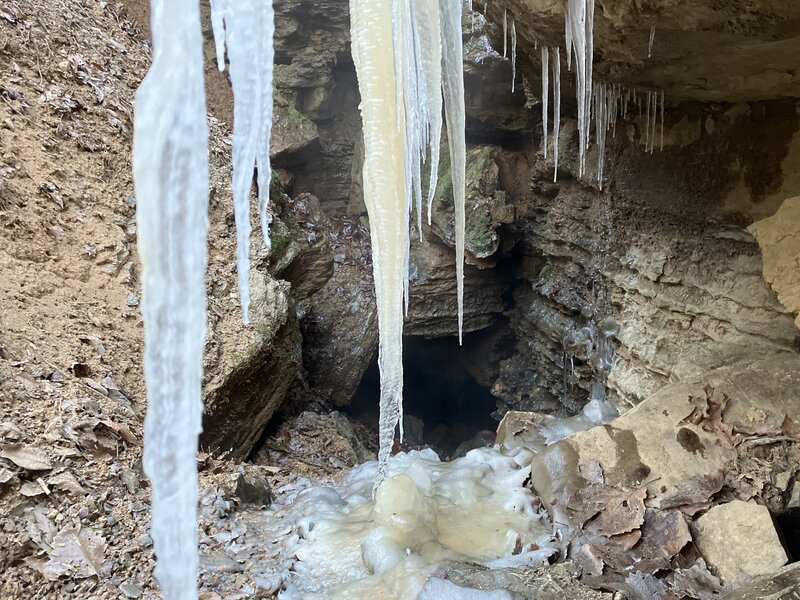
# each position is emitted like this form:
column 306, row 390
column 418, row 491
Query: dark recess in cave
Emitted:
column 438, row 389
column 788, row 526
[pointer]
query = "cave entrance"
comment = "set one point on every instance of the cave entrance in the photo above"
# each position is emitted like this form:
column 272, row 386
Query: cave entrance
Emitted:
column 445, row 407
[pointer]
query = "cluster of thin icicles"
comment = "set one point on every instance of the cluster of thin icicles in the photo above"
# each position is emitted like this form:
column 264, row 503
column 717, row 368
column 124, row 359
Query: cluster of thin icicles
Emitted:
column 605, row 102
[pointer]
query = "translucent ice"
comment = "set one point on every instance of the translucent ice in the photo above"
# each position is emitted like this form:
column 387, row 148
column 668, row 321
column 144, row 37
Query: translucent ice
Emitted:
column 247, row 28
column 170, row 167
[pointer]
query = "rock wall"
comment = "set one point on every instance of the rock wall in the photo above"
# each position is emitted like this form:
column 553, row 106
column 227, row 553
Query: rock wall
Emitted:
column 663, row 248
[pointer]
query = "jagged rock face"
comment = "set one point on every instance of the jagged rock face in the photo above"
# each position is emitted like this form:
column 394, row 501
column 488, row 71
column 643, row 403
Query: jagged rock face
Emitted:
column 316, row 83
column 779, row 238
column 662, row 249
column 706, row 50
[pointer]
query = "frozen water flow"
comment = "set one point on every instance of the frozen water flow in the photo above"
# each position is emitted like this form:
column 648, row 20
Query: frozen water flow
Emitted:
column 652, row 40
column 170, row 168
column 247, row 28
column 476, row 509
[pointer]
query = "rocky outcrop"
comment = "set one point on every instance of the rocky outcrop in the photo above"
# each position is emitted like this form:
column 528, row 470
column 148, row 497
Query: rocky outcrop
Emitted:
column 707, row 50
column 661, row 248
column 697, row 424
column 779, row 238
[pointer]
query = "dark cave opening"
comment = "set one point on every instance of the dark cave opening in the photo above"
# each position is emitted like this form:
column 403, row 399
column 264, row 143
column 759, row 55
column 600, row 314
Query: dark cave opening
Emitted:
column 445, row 407
column 788, row 526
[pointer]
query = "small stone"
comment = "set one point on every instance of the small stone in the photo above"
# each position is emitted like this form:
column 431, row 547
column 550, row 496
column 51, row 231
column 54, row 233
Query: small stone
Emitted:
column 254, row 491
column 738, row 540
column 130, row 590
column 219, row 563
column 145, row 540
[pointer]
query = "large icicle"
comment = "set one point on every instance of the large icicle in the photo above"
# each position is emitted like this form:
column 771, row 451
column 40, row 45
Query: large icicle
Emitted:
column 513, row 55
column 545, row 93
column 556, row 109
column 505, row 32
column 170, row 166
column 249, row 26
column 453, row 89
column 579, row 23
column 427, row 30
column 384, row 194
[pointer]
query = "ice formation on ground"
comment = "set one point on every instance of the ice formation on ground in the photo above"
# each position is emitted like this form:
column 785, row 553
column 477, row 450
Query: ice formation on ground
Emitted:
column 170, row 166
column 339, row 542
column 245, row 28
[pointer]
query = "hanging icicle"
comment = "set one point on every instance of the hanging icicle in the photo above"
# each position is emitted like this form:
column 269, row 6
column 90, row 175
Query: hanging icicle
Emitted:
column 662, row 120
column 401, row 116
column 246, row 29
column 170, row 172
column 579, row 31
column 453, row 90
column 556, row 108
column 650, row 43
column 545, row 93
column 505, row 33
column 513, row 55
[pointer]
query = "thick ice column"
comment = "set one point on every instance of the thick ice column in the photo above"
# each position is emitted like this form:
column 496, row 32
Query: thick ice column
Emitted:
column 453, row 88
column 384, row 194
column 249, row 26
column 170, row 166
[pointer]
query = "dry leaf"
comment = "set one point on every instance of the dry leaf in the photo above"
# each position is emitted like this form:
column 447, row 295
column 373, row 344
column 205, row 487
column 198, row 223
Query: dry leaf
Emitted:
column 697, row 582
column 30, row 489
column 66, row 482
column 623, row 512
column 76, row 553
column 28, row 458
column 791, row 428
column 664, row 534
column 643, row 586
column 122, row 430
column 5, row 475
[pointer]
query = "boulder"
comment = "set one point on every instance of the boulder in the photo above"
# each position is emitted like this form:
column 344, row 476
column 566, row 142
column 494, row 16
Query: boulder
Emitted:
column 253, row 368
column 739, row 541
column 696, row 425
